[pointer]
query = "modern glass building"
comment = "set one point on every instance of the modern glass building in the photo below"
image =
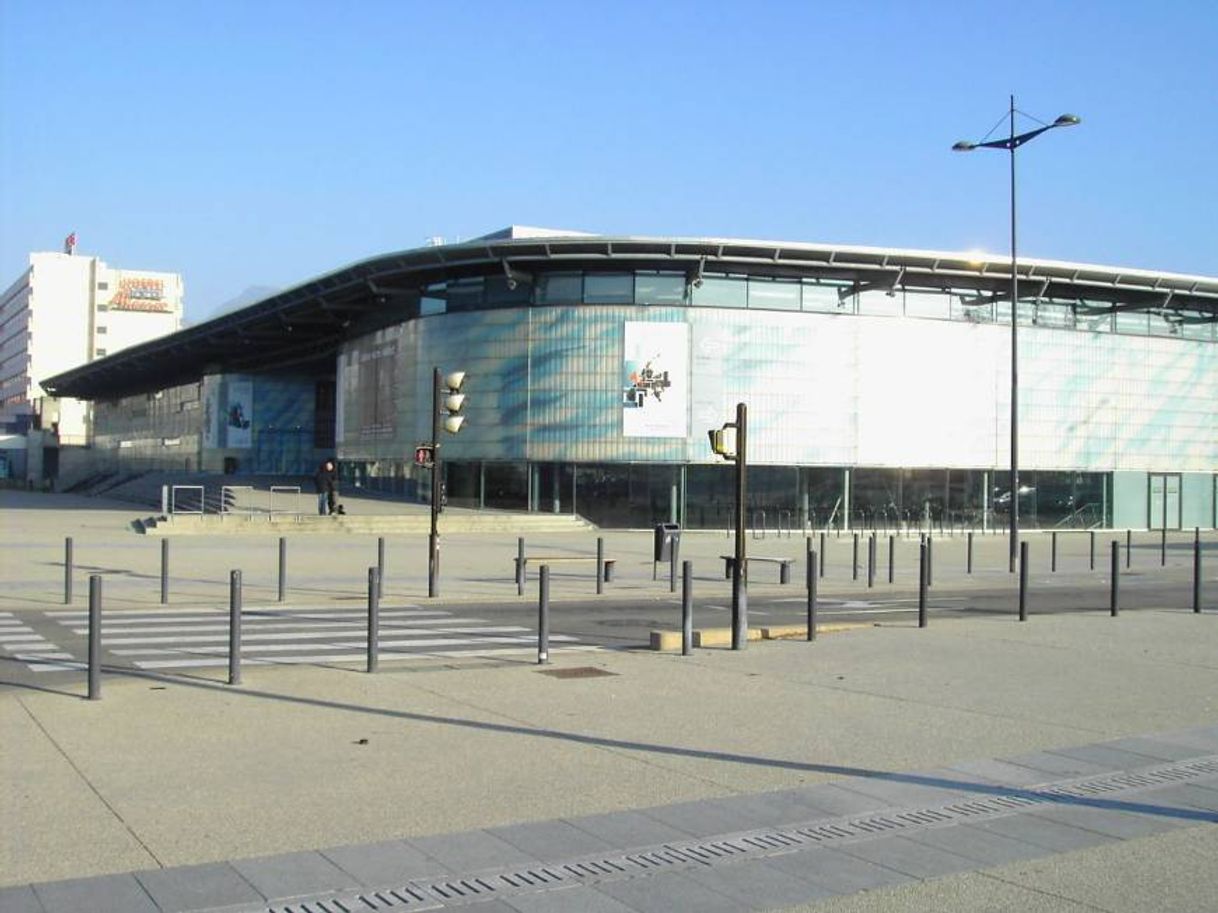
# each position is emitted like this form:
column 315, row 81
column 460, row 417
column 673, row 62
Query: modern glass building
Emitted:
column 877, row 381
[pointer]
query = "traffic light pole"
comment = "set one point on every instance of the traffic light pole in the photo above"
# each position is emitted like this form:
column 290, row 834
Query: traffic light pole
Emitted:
column 433, row 540
column 740, row 591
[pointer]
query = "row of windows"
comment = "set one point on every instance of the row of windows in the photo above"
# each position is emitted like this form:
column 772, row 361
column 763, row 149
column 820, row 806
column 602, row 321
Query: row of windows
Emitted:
column 726, row 291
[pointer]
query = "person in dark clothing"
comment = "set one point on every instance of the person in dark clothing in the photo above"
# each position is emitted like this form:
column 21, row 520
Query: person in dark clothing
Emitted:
column 326, row 482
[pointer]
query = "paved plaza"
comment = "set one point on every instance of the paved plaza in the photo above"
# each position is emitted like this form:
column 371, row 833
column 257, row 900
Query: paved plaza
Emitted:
column 1069, row 763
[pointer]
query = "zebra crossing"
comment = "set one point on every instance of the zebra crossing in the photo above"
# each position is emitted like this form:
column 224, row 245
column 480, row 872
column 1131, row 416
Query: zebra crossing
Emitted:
column 23, row 644
column 167, row 639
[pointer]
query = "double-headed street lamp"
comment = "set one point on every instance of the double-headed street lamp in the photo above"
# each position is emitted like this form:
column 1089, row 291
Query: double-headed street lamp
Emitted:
column 1011, row 143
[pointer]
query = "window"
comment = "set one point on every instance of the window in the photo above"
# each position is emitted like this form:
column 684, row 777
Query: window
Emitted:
column 103, row 307
column 465, row 295
column 609, row 288
column 721, row 293
column 927, row 304
column 100, row 352
column 101, row 331
column 560, row 288
column 774, row 295
column 825, row 298
column 659, row 288
column 103, row 286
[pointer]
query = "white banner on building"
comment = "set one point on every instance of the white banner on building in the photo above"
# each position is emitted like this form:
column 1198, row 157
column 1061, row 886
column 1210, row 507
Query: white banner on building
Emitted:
column 239, row 413
column 211, row 411
column 655, row 389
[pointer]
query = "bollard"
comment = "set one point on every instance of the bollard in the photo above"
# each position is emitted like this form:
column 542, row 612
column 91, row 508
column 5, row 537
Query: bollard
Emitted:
column 95, row 604
column 67, row 571
column 374, row 618
column 1116, row 576
column 1128, row 548
column 1163, row 547
column 1093, row 550
column 164, row 571
column 811, row 633
column 687, row 606
column 930, row 561
column 1023, row 581
column 871, row 562
column 543, row 617
column 821, row 553
column 855, row 571
column 1197, row 570
column 234, row 628
column 283, row 568
column 520, row 566
column 969, row 560
column 600, row 565
column 380, row 567
column 892, row 553
column 922, row 583
column 1052, row 552
column 672, row 566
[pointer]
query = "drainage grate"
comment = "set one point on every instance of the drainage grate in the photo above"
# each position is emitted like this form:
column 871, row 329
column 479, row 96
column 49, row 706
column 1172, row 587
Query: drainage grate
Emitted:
column 576, row 672
column 419, row 895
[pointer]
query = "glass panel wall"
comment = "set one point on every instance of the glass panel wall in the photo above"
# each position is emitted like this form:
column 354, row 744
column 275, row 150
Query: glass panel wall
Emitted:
column 721, row 293
column 609, row 288
column 774, row 294
column 659, row 288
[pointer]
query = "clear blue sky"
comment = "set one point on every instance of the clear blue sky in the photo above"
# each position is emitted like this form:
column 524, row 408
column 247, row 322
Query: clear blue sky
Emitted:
column 264, row 143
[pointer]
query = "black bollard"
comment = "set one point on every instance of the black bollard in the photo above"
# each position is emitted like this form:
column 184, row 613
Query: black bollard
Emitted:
column 821, row 553
column 687, row 606
column 1196, row 570
column 871, row 562
column 922, row 583
column 380, row 567
column 374, row 618
column 1023, row 581
column 1116, row 577
column 811, row 632
column 520, row 566
column 283, row 568
column 1052, row 552
column 234, row 628
column 95, row 606
column 1163, row 547
column 600, row 565
column 1128, row 548
column 672, row 565
column 892, row 554
column 930, row 561
column 543, row 617
column 969, row 561
column 67, row 571
column 164, row 571
column 1093, row 550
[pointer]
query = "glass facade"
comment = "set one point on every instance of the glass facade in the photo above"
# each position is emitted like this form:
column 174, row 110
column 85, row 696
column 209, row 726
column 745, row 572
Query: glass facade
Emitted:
column 867, row 408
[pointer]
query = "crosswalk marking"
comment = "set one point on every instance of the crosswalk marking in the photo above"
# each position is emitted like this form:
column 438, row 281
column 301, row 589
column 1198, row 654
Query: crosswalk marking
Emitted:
column 27, row 646
column 183, row 638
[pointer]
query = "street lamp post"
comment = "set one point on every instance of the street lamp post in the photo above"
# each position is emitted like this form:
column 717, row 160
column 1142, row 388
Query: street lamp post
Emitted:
column 1011, row 143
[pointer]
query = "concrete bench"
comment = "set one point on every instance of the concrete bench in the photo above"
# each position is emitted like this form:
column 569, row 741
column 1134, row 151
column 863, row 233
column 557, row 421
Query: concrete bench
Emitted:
column 784, row 565
column 560, row 559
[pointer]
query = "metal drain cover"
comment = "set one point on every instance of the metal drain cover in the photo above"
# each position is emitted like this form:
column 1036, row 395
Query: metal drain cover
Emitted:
column 577, row 672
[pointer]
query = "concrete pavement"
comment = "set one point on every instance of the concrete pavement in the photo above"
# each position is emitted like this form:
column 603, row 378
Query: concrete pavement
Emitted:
column 172, row 771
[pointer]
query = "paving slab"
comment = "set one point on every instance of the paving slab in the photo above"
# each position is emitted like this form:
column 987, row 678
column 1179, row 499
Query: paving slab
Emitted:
column 473, row 851
column 983, row 847
column 565, row 900
column 1113, row 822
column 550, row 841
column 215, row 886
column 909, row 857
column 758, row 885
column 289, row 875
column 20, row 899
column 669, row 891
column 387, row 862
column 102, row 894
column 1042, row 832
column 837, row 872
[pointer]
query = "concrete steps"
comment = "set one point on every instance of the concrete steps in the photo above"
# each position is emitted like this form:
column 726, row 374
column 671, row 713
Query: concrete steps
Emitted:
column 419, row 522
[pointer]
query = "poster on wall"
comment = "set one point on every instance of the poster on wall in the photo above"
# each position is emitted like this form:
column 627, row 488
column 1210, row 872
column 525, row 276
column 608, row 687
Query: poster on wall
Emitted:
column 655, row 375
column 211, row 396
column 238, row 414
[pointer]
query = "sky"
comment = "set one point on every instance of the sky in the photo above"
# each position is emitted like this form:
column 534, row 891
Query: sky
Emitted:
column 262, row 144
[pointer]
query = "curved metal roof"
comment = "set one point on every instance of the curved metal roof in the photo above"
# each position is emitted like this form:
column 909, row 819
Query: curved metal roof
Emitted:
column 307, row 324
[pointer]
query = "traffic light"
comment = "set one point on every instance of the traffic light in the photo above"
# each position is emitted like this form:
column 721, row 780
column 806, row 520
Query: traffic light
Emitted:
column 453, row 402
column 723, row 441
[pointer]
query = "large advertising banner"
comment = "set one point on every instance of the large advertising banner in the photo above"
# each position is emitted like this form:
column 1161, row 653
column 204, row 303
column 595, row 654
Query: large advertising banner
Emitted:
column 655, row 374
column 238, row 414
column 211, row 409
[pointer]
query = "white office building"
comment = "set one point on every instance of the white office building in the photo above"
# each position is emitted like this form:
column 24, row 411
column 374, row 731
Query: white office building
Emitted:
column 61, row 313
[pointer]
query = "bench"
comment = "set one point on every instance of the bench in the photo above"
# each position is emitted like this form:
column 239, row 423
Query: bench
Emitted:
column 559, row 559
column 784, row 565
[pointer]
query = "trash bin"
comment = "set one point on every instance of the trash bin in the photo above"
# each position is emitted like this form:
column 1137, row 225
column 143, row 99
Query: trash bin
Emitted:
column 667, row 541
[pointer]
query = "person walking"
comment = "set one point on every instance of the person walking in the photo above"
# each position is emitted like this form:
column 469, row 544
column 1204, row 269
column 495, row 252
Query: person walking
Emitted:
column 326, row 483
